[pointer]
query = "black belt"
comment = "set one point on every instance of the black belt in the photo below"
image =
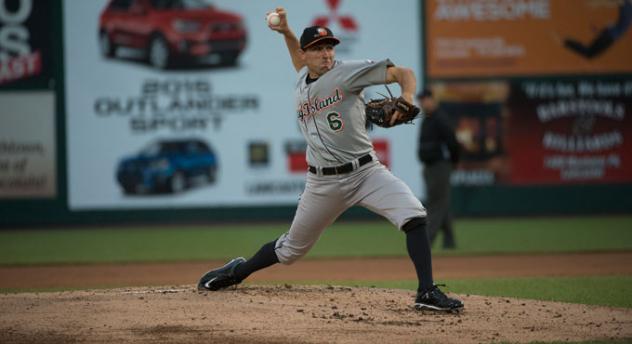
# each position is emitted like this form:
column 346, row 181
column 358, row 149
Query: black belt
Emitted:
column 346, row 168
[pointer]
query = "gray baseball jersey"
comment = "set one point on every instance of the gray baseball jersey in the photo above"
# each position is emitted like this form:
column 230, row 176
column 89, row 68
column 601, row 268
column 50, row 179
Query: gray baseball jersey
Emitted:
column 332, row 118
column 331, row 111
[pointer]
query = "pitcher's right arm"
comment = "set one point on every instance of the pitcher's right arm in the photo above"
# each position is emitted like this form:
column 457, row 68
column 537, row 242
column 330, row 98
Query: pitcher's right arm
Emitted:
column 291, row 41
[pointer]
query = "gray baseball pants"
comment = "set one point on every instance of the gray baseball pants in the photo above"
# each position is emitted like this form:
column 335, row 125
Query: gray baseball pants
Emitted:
column 325, row 198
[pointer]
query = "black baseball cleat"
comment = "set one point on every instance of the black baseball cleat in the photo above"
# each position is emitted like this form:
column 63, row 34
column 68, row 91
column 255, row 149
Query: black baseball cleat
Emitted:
column 435, row 299
column 221, row 278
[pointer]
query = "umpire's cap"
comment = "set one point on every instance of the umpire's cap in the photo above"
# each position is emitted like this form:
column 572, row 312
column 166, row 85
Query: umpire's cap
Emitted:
column 314, row 34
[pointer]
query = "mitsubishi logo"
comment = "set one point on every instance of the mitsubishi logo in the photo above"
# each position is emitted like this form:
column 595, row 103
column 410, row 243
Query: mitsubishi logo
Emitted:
column 344, row 27
column 347, row 23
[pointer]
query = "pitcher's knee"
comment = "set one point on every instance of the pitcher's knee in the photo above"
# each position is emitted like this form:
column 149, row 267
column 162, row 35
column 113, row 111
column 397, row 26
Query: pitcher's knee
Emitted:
column 289, row 249
column 416, row 223
column 287, row 255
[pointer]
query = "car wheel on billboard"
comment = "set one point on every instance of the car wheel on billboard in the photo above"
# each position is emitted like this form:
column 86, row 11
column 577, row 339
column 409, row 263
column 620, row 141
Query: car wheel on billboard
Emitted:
column 108, row 49
column 211, row 175
column 159, row 54
column 130, row 190
column 229, row 59
column 177, row 183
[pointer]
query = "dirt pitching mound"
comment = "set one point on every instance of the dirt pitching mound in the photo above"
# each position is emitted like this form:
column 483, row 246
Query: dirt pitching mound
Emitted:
column 292, row 314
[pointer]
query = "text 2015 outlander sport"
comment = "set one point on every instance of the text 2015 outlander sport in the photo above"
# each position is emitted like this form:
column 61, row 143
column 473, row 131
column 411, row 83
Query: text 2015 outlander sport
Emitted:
column 169, row 31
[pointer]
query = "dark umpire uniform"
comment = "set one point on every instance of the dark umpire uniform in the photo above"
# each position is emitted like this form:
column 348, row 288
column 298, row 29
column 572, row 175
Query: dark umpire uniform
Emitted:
column 439, row 151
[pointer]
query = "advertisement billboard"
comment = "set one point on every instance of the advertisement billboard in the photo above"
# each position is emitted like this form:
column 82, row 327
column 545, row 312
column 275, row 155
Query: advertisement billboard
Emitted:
column 541, row 132
column 28, row 154
column 195, row 106
column 571, row 132
column 25, row 44
column 479, row 38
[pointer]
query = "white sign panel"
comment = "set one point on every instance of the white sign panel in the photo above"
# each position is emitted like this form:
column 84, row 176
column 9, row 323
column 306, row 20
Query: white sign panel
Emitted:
column 27, row 145
column 182, row 108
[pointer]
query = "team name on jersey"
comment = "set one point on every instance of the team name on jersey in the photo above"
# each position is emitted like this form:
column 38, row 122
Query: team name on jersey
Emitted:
column 316, row 105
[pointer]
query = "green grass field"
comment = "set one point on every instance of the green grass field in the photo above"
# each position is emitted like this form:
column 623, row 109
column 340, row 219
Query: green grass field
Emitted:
column 349, row 239
column 352, row 239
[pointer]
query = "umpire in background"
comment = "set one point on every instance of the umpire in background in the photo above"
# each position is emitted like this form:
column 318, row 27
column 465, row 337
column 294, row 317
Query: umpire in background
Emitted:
column 439, row 151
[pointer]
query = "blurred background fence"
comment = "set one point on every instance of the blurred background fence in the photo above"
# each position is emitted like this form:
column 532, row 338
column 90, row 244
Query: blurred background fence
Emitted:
column 96, row 126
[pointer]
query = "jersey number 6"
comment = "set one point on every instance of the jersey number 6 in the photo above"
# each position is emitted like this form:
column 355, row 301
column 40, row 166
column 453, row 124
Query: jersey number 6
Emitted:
column 335, row 121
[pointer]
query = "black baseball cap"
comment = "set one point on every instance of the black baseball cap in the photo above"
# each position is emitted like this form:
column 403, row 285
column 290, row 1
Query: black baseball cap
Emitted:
column 314, row 34
column 426, row 92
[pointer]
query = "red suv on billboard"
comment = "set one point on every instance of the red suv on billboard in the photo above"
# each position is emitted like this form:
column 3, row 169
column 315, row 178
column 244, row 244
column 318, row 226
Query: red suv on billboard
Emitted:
column 170, row 31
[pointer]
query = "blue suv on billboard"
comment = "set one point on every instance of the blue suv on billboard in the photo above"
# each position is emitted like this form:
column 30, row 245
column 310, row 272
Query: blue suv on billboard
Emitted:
column 170, row 166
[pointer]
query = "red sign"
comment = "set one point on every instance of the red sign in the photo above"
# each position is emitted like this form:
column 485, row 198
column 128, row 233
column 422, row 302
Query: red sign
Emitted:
column 541, row 132
column 20, row 67
column 383, row 151
column 570, row 132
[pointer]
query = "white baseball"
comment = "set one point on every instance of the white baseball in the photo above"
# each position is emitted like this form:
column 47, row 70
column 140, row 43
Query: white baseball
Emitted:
column 273, row 19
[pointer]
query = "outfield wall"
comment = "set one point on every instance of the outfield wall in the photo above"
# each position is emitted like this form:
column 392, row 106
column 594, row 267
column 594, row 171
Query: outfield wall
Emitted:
column 544, row 131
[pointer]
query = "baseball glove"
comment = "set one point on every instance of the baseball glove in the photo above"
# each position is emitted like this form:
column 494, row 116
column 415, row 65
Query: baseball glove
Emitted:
column 380, row 111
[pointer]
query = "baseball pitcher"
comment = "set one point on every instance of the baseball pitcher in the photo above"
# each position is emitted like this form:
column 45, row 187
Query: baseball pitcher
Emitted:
column 343, row 167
